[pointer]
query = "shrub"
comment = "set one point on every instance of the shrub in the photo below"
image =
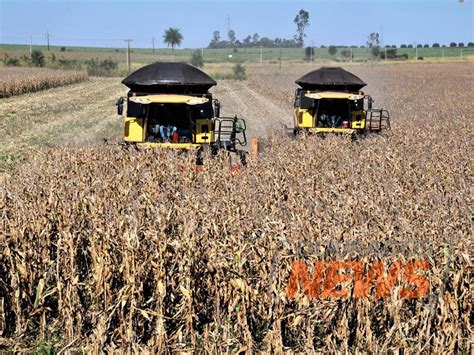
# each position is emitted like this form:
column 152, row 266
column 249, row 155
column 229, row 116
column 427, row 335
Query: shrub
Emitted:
column 308, row 53
column 106, row 67
column 332, row 50
column 346, row 53
column 197, row 59
column 435, row 45
column 10, row 62
column 63, row 49
column 391, row 53
column 239, row 72
column 37, row 58
column 375, row 50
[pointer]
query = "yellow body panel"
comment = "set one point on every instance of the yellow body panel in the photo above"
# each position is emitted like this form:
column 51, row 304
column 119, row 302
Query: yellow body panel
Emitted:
column 304, row 119
column 169, row 145
column 169, row 99
column 205, row 131
column 332, row 130
column 134, row 131
column 358, row 119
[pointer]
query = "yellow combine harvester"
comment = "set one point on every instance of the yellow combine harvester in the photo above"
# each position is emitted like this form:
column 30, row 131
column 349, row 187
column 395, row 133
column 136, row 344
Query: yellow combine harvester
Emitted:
column 169, row 106
column 329, row 100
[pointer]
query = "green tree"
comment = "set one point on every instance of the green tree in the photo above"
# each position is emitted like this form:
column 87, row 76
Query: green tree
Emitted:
column 232, row 37
column 373, row 42
column 173, row 38
column 197, row 59
column 216, row 38
column 332, row 50
column 37, row 58
column 255, row 38
column 302, row 21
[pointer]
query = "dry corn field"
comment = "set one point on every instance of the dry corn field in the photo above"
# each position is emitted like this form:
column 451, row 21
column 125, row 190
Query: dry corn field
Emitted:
column 106, row 249
column 17, row 81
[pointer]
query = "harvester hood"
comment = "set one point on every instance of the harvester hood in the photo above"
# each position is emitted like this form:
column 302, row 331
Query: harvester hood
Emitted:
column 330, row 79
column 166, row 77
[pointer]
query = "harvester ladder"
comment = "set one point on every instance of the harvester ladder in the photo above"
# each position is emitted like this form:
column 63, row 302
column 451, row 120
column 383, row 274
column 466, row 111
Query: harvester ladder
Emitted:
column 377, row 120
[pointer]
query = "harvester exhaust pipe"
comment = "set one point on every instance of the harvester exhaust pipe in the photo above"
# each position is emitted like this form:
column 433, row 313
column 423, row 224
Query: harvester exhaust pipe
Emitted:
column 217, row 108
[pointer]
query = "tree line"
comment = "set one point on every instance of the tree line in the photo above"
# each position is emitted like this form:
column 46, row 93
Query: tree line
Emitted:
column 301, row 21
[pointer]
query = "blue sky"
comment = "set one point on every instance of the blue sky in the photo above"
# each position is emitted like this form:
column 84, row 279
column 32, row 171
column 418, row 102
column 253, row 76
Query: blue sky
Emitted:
column 107, row 22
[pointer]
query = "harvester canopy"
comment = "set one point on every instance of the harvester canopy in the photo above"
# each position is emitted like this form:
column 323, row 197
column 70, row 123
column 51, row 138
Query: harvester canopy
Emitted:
column 330, row 79
column 166, row 77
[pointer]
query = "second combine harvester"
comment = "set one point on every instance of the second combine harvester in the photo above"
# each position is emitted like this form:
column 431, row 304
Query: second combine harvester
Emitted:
column 329, row 100
column 169, row 106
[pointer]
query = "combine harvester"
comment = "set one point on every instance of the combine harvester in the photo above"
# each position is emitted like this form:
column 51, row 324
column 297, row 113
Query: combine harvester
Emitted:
column 169, row 106
column 329, row 100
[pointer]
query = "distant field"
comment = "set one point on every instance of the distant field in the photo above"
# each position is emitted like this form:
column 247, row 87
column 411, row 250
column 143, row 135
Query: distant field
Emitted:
column 16, row 81
column 146, row 55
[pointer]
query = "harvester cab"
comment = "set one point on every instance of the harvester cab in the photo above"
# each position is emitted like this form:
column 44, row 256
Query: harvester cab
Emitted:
column 330, row 100
column 169, row 106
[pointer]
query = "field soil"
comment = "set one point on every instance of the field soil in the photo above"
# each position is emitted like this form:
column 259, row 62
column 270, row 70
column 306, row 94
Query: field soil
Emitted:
column 85, row 113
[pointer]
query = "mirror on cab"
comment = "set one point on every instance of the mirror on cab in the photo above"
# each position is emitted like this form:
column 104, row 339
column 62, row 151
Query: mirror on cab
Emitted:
column 120, row 106
column 217, row 108
column 369, row 103
column 240, row 125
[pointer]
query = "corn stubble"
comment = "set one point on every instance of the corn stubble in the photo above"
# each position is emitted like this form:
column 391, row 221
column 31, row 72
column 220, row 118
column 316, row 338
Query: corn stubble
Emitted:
column 132, row 250
column 17, row 81
column 110, row 249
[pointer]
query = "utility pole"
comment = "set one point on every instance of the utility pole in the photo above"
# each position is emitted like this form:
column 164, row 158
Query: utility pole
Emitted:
column 129, row 64
column 385, row 53
column 261, row 56
column 31, row 45
column 280, row 57
column 47, row 38
column 153, row 41
column 352, row 55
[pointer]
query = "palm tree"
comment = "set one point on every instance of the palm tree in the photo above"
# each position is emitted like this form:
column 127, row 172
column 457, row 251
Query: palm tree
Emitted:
column 172, row 37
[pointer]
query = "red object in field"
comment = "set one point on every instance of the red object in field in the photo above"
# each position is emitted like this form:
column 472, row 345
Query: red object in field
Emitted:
column 175, row 137
column 345, row 124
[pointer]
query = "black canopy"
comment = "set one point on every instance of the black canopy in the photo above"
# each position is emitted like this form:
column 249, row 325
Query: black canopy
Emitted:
column 330, row 78
column 169, row 77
